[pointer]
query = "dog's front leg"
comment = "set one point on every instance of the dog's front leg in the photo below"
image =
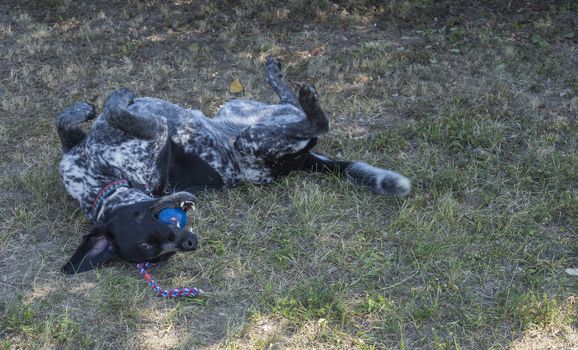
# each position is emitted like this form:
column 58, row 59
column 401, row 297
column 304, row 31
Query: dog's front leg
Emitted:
column 68, row 123
column 142, row 125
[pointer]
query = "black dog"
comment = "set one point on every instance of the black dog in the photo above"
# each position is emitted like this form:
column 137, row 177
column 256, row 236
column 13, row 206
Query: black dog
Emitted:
column 138, row 148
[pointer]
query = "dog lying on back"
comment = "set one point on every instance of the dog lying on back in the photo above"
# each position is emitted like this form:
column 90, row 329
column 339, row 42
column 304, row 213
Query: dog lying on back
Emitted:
column 145, row 154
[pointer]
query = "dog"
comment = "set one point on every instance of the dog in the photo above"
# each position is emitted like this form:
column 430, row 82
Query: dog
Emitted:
column 145, row 154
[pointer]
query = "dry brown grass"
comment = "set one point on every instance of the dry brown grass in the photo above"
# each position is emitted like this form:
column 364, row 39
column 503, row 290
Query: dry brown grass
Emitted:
column 476, row 103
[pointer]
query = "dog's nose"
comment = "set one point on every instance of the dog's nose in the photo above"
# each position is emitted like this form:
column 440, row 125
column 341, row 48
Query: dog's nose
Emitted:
column 189, row 243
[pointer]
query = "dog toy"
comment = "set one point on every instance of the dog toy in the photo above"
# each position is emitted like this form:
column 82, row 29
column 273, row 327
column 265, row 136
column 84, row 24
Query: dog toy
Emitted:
column 173, row 216
column 169, row 216
column 167, row 293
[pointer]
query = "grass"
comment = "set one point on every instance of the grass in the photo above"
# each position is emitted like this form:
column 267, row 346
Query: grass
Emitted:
column 475, row 103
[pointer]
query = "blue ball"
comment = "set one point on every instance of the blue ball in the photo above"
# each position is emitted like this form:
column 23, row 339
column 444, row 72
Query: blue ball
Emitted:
column 173, row 216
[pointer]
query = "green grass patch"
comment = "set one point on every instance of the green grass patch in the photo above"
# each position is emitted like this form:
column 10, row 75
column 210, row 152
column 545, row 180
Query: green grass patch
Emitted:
column 312, row 301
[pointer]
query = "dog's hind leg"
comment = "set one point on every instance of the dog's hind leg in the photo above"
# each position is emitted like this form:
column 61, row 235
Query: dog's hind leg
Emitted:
column 276, row 138
column 275, row 79
column 380, row 181
column 308, row 98
column 68, row 124
column 309, row 101
column 271, row 141
column 140, row 125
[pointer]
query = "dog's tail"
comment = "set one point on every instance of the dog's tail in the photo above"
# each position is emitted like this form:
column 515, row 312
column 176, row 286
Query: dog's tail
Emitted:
column 68, row 124
column 380, row 181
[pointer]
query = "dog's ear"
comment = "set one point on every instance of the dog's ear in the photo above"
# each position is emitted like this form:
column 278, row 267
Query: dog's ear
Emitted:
column 96, row 249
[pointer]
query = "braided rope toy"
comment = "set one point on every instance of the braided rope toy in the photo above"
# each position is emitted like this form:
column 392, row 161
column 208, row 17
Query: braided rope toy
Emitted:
column 167, row 293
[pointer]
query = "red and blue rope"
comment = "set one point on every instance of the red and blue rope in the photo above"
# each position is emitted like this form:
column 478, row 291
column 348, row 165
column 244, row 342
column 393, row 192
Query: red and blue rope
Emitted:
column 166, row 293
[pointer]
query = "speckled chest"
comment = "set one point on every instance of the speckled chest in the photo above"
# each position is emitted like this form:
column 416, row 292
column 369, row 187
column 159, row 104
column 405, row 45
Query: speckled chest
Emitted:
column 108, row 154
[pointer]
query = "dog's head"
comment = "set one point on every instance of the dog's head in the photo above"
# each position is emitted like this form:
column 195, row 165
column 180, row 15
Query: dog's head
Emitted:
column 135, row 233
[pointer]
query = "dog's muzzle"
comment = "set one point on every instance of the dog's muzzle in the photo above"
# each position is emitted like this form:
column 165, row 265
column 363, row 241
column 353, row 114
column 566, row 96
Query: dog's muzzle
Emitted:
column 189, row 243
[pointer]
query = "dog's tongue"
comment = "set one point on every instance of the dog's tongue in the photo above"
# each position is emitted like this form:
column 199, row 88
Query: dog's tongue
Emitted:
column 173, row 216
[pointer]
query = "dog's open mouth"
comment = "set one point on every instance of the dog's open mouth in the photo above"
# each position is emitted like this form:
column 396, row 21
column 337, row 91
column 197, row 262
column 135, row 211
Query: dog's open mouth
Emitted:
column 187, row 205
column 173, row 214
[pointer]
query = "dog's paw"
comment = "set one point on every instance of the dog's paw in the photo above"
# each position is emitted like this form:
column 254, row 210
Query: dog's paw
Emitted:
column 308, row 95
column 84, row 110
column 273, row 70
column 91, row 108
column 273, row 63
column 76, row 113
column 119, row 100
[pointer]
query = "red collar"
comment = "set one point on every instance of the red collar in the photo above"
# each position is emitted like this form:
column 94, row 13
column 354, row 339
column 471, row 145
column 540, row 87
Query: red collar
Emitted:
column 104, row 193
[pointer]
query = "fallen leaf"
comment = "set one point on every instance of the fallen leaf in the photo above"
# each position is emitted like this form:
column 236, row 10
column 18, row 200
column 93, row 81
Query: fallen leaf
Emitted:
column 236, row 87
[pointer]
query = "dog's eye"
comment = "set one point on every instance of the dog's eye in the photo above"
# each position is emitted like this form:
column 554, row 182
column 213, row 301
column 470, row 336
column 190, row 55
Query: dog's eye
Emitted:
column 145, row 245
